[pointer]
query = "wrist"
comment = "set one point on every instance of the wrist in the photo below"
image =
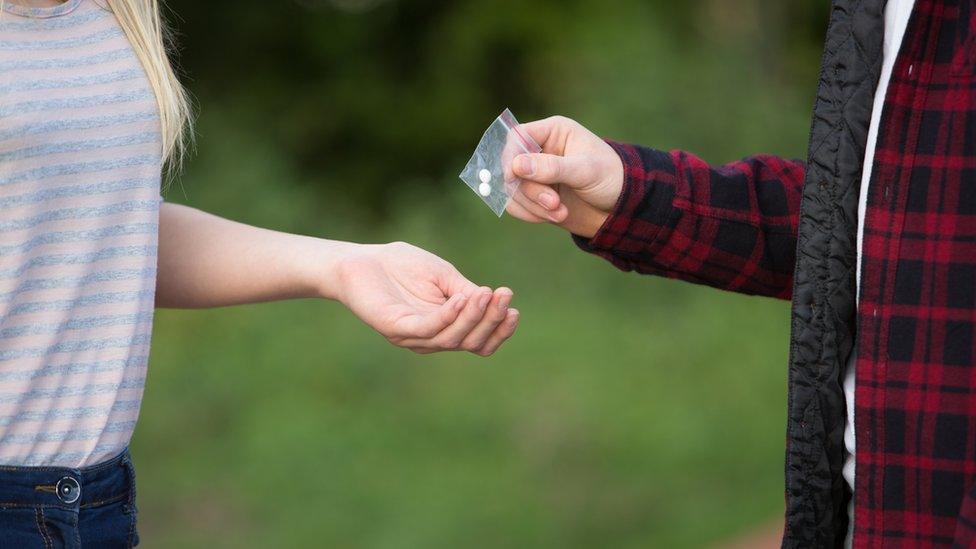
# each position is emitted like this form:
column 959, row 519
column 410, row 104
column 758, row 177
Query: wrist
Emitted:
column 590, row 223
column 606, row 198
column 330, row 266
column 584, row 218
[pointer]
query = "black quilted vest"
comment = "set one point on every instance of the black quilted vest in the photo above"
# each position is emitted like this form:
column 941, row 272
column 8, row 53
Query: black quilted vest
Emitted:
column 823, row 318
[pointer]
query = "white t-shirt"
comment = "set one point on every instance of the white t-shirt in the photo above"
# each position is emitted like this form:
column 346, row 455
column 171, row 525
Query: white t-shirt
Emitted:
column 896, row 16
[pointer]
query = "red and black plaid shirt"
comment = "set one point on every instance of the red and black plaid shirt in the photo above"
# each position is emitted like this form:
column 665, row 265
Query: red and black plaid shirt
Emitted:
column 735, row 227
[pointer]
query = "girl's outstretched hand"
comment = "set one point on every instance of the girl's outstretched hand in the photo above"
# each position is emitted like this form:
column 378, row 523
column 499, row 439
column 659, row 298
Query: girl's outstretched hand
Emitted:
column 421, row 302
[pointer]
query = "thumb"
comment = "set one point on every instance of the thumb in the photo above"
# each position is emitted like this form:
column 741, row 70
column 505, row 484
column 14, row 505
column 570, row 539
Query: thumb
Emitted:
column 427, row 325
column 574, row 171
column 452, row 282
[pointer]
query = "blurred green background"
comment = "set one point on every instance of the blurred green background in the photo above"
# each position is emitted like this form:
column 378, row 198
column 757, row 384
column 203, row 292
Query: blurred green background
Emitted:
column 627, row 412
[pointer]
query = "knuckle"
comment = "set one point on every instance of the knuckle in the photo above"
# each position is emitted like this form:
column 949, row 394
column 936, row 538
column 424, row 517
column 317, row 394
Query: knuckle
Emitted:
column 531, row 190
column 400, row 246
column 470, row 317
column 492, row 320
column 550, row 167
column 446, row 317
column 449, row 343
column 399, row 337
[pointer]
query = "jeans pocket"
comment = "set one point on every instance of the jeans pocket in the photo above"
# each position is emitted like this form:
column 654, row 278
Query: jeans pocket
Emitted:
column 130, row 507
column 133, row 514
column 109, row 526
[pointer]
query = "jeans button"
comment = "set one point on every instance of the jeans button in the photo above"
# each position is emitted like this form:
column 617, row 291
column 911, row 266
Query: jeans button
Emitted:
column 68, row 490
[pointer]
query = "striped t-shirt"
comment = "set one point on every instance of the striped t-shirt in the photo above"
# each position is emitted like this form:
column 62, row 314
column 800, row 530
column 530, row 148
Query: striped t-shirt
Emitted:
column 80, row 159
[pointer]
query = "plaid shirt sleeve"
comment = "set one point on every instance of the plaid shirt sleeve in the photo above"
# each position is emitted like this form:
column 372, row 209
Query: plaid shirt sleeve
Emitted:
column 732, row 227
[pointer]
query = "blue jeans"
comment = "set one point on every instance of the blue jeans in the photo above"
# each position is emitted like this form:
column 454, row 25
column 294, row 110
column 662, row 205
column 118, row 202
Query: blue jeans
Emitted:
column 48, row 507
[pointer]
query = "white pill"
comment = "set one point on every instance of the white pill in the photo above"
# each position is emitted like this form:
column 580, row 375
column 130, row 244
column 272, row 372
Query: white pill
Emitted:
column 485, row 176
column 484, row 189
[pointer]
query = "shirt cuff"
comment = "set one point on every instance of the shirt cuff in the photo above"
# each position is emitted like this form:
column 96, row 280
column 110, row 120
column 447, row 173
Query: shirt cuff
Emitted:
column 644, row 205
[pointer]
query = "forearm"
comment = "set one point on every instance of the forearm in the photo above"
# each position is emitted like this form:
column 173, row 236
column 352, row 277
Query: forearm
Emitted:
column 207, row 261
column 732, row 226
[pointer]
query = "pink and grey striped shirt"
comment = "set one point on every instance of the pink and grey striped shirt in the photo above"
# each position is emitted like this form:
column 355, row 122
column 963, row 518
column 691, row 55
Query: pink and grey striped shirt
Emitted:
column 80, row 162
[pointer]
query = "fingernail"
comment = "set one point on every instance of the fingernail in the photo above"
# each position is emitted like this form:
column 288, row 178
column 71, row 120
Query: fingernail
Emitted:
column 526, row 166
column 460, row 303
column 548, row 200
column 503, row 301
column 513, row 316
column 483, row 302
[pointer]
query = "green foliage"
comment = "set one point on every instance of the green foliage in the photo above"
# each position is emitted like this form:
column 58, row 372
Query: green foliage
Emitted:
column 627, row 411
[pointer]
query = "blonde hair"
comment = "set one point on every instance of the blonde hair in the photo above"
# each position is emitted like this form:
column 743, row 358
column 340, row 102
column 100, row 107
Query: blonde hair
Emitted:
column 143, row 26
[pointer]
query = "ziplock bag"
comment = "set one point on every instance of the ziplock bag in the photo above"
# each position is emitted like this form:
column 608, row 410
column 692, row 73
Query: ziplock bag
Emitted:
column 489, row 172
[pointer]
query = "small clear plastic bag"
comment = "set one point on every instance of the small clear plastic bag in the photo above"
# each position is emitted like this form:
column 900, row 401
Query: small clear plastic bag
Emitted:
column 489, row 172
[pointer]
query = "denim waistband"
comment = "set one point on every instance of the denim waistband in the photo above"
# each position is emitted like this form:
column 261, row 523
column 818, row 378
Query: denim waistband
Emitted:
column 64, row 487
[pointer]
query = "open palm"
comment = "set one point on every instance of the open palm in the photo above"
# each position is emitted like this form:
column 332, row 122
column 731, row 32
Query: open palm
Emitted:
column 419, row 301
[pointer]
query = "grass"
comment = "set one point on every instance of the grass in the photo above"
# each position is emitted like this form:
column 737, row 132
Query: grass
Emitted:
column 627, row 412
